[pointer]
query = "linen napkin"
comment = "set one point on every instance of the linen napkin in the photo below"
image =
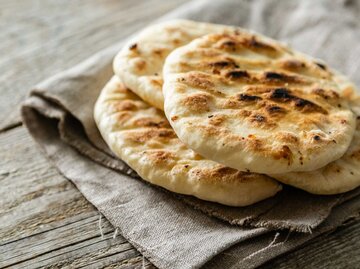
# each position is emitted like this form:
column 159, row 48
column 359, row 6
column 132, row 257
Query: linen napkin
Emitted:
column 169, row 233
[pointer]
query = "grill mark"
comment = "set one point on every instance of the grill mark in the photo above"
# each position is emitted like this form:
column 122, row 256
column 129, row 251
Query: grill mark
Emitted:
column 322, row 66
column 280, row 77
column 302, row 102
column 246, row 97
column 274, row 109
column 224, row 63
column 217, row 66
column 229, row 44
column 283, row 95
column 253, row 43
column 236, row 74
column 328, row 94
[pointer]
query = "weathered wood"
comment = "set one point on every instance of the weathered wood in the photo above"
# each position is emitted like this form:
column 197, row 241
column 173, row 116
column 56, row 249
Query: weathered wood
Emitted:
column 41, row 38
column 44, row 219
column 33, row 194
column 340, row 249
column 46, row 222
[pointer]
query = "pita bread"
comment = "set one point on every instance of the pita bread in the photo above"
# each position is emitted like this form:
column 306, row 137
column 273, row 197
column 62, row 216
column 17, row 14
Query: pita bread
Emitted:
column 139, row 64
column 141, row 136
column 339, row 176
column 252, row 104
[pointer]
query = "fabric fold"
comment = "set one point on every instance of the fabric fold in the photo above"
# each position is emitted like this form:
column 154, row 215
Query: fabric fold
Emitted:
column 179, row 231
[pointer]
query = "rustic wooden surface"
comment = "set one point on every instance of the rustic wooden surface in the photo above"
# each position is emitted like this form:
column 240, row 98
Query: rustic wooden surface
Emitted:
column 44, row 220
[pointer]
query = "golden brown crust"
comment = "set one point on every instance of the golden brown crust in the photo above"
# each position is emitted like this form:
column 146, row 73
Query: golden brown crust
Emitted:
column 197, row 102
column 143, row 57
column 278, row 104
column 339, row 176
column 142, row 137
column 160, row 157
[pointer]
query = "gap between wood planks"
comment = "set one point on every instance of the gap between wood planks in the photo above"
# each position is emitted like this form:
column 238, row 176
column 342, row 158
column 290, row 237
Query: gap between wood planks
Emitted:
column 10, row 126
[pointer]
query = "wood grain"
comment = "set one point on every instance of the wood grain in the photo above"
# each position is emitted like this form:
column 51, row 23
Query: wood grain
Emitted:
column 46, row 222
column 44, row 219
column 340, row 249
column 41, row 38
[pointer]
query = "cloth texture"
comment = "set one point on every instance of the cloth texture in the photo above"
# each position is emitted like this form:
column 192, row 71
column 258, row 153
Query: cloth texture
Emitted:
column 177, row 231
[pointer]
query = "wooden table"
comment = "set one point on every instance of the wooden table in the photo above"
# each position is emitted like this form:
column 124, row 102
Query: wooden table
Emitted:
column 44, row 219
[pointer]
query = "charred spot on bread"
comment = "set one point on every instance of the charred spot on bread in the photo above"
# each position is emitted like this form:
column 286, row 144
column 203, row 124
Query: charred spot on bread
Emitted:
column 326, row 94
column 281, row 93
column 223, row 64
column 322, row 66
column 247, row 97
column 281, row 77
column 133, row 46
column 285, row 96
column 236, row 74
column 274, row 109
column 254, row 43
column 228, row 44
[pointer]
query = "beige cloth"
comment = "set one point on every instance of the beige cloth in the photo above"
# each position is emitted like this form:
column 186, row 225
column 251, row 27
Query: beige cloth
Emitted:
column 58, row 115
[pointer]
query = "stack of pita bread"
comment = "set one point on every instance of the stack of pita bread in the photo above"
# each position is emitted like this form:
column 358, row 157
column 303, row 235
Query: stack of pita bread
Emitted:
column 228, row 115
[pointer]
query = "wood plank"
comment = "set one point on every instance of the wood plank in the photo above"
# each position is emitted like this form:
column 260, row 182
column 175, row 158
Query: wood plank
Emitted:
column 41, row 38
column 340, row 249
column 34, row 195
column 45, row 221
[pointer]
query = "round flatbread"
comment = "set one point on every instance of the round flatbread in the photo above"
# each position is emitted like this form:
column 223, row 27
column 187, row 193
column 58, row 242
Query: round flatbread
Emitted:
column 252, row 104
column 139, row 64
column 339, row 176
column 141, row 136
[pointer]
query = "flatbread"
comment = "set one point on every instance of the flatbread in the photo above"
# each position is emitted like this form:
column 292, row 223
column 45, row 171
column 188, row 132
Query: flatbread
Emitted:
column 141, row 136
column 252, row 104
column 339, row 176
column 139, row 64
